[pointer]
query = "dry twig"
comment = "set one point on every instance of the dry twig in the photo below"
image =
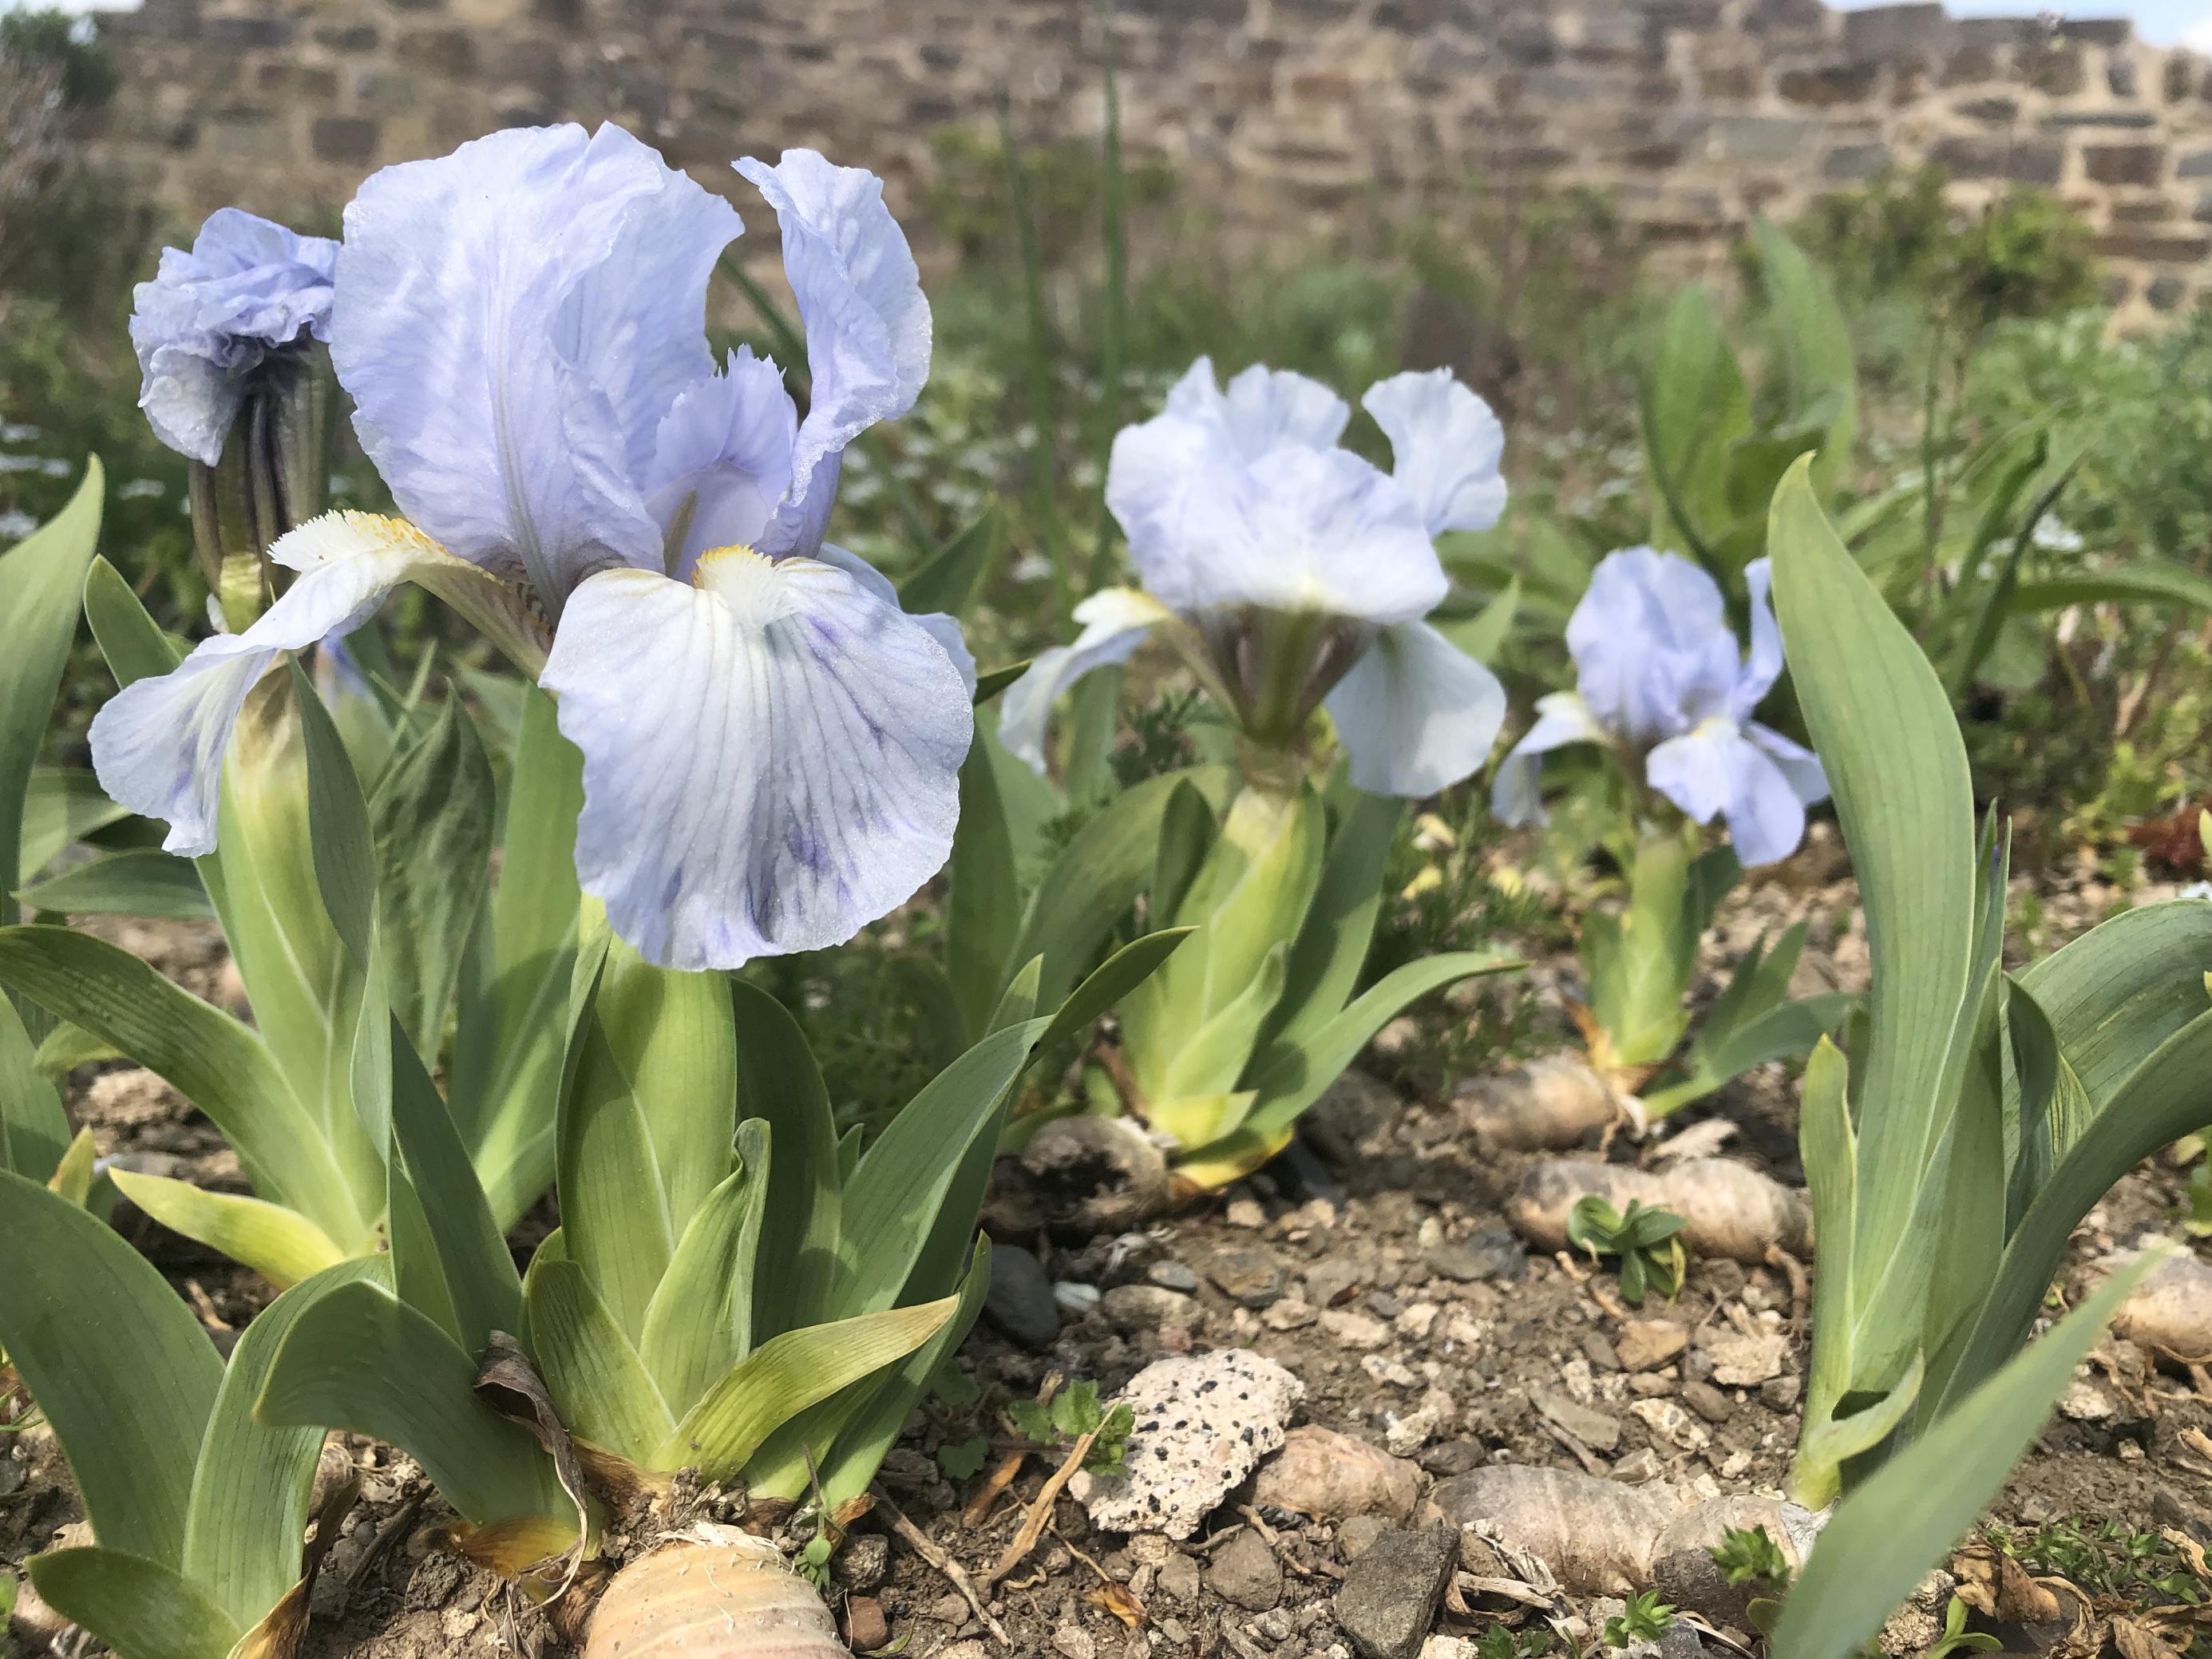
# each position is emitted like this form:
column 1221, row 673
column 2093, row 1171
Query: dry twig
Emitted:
column 1039, row 1511
column 916, row 1540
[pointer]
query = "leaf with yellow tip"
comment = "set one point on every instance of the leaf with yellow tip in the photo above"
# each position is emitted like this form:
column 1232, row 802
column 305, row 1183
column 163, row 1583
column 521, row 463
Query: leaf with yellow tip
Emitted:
column 281, row 1245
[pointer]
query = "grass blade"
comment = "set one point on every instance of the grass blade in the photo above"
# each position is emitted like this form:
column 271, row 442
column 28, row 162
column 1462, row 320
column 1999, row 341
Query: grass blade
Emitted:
column 700, row 1323
column 779, row 1083
column 141, row 881
column 252, row 1483
column 212, row 1059
column 782, row 1377
column 281, row 1245
column 41, row 582
column 357, row 1358
column 116, row 1361
column 593, row 1373
column 1882, row 725
column 140, row 1609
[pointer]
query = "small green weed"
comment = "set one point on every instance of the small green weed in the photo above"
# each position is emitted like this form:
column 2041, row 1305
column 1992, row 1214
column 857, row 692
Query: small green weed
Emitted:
column 1644, row 1239
column 1644, row 1619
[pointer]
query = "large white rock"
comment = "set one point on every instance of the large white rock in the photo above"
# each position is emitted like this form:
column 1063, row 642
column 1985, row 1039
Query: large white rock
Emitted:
column 1203, row 1422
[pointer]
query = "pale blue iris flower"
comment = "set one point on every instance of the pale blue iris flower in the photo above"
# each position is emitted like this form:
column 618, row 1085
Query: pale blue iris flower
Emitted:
column 1662, row 680
column 211, row 315
column 1292, row 573
column 771, row 746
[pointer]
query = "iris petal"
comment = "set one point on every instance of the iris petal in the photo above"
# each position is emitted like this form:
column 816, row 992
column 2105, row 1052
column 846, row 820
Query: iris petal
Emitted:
column 1562, row 718
column 158, row 745
column 867, row 324
column 1115, row 621
column 941, row 626
column 211, row 314
column 1653, row 651
column 1799, row 764
column 1764, row 666
column 1447, row 444
column 721, row 460
column 1716, row 771
column 1270, row 409
column 770, row 757
column 1202, row 443
column 1416, row 714
column 513, row 321
column 1315, row 530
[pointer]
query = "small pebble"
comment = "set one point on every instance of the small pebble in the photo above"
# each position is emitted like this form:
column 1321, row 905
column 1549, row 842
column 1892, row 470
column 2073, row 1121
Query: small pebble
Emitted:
column 1708, row 1401
column 1247, row 1574
column 867, row 1628
column 1172, row 1276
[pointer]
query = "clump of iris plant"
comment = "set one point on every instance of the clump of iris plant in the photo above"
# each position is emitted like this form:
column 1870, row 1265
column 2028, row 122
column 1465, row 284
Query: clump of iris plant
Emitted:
column 770, row 745
column 1666, row 693
column 1293, row 577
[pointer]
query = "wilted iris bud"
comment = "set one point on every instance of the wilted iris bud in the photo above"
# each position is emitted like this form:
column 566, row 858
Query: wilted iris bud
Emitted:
column 230, row 338
column 1291, row 574
column 1662, row 681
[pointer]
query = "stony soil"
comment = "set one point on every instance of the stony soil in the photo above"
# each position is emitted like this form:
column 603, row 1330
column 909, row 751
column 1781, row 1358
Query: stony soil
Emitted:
column 1375, row 1266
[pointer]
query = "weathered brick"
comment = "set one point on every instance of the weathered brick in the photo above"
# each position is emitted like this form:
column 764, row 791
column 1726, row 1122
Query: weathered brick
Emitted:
column 2026, row 161
column 2198, row 166
column 2178, row 249
column 2166, row 293
column 1992, row 111
column 1764, row 140
column 1831, row 84
column 347, row 37
column 1850, row 163
column 2097, row 31
column 2057, row 69
column 1886, row 31
column 2109, row 120
column 2124, row 164
column 1729, row 82
column 344, row 138
column 242, row 32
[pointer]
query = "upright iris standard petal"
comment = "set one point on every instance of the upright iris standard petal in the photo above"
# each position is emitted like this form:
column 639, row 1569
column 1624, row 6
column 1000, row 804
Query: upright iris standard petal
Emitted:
column 770, row 756
column 1448, row 445
column 1162, row 468
column 246, row 287
column 1764, row 667
column 1314, row 531
column 1294, row 572
column 721, row 460
column 158, row 745
column 1416, row 714
column 1652, row 647
column 514, row 321
column 1115, row 622
column 1269, row 408
column 867, row 324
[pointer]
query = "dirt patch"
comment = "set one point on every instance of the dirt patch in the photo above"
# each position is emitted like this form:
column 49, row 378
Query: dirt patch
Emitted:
column 1377, row 1266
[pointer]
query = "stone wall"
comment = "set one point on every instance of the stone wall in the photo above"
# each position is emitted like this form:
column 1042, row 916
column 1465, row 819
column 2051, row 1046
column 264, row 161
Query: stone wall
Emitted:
column 1291, row 116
